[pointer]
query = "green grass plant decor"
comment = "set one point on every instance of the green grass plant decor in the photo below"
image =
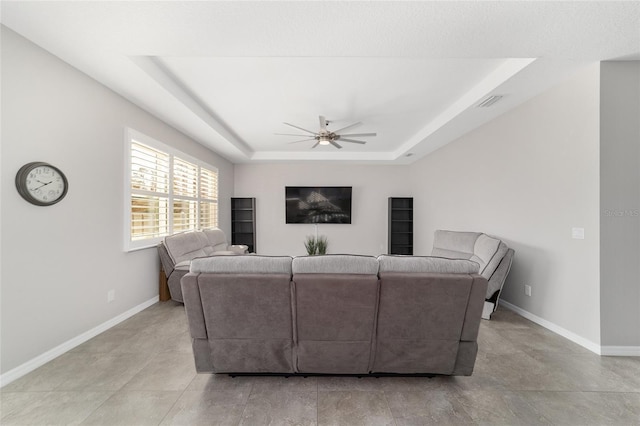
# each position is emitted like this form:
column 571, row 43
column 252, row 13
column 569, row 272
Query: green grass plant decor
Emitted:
column 316, row 245
column 310, row 245
column 321, row 245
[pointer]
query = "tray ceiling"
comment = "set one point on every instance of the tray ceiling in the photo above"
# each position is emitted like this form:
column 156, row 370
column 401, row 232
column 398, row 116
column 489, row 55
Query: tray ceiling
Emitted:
column 228, row 74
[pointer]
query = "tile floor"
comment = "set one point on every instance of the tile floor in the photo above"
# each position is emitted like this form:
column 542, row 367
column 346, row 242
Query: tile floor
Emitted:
column 141, row 373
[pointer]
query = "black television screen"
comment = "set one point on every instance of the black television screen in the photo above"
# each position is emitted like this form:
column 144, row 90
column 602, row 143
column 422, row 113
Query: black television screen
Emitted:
column 318, row 204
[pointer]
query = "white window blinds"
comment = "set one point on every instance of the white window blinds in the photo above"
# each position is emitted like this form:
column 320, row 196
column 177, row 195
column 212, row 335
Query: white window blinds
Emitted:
column 167, row 193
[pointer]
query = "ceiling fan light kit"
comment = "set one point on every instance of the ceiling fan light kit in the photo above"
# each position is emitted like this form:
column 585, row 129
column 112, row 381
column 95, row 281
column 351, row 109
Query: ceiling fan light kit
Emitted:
column 327, row 137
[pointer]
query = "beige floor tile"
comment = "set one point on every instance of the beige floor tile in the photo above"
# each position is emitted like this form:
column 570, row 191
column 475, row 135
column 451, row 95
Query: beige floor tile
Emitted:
column 291, row 384
column 147, row 342
column 353, row 408
column 587, row 408
column 540, row 339
column 137, row 408
column 347, row 383
column 221, row 382
column 208, row 408
column 586, row 372
column 49, row 376
column 57, row 408
column 499, row 408
column 429, row 407
column 167, row 371
column 280, row 408
column 516, row 372
column 105, row 342
column 100, row 372
column 12, row 401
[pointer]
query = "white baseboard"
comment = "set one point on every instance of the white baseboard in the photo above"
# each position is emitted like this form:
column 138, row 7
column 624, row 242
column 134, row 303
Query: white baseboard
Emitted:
column 51, row 354
column 588, row 344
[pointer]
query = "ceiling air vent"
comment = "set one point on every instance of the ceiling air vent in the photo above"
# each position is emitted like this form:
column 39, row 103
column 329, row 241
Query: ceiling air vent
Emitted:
column 490, row 101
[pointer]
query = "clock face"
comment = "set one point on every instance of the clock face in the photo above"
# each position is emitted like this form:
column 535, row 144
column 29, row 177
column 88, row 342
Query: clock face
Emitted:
column 41, row 184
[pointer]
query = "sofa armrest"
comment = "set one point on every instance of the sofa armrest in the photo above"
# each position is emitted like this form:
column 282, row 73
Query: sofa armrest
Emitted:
column 500, row 274
column 193, row 306
column 167, row 263
column 474, row 309
column 238, row 248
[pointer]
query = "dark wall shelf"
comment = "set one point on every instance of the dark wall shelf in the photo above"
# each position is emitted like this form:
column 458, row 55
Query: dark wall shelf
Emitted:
column 400, row 225
column 243, row 222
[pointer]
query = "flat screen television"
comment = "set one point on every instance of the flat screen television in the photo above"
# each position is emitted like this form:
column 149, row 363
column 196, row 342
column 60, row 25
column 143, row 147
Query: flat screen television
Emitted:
column 318, row 204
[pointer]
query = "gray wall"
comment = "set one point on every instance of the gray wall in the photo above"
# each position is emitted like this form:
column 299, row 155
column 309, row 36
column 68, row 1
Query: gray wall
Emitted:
column 372, row 185
column 620, row 203
column 528, row 177
column 59, row 262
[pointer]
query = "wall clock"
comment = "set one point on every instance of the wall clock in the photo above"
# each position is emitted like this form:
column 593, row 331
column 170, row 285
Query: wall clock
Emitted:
column 41, row 183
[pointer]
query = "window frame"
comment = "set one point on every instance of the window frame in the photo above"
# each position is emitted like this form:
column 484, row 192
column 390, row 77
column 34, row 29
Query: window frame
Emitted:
column 132, row 136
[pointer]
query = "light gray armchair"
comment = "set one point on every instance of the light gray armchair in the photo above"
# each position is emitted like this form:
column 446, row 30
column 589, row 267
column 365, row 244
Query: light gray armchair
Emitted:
column 493, row 256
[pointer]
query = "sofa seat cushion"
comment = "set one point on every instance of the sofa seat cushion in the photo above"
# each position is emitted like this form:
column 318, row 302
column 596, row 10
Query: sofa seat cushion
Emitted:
column 242, row 264
column 335, row 264
column 183, row 266
column 424, row 264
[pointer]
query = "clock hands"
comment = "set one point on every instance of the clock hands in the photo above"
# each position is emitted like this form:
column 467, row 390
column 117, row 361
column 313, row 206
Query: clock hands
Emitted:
column 43, row 184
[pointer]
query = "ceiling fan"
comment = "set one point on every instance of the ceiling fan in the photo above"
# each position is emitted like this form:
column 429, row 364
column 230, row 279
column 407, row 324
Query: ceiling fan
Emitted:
column 326, row 136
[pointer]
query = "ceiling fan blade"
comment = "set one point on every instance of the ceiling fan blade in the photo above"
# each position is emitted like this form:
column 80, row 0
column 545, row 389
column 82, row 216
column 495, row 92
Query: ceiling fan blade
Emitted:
column 316, row 144
column 348, row 127
column 303, row 140
column 359, row 134
column 323, row 122
column 335, row 144
column 288, row 134
column 300, row 128
column 352, row 141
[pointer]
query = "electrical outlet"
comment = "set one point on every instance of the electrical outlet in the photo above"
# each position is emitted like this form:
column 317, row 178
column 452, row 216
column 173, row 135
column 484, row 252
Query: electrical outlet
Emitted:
column 527, row 290
column 111, row 296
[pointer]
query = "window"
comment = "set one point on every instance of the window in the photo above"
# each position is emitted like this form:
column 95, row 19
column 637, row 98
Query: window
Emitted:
column 167, row 192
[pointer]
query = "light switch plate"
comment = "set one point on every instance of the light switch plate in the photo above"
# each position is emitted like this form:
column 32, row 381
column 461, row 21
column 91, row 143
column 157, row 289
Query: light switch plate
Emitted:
column 577, row 233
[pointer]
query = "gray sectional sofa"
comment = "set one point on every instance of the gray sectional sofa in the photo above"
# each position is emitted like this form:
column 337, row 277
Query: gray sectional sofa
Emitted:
column 334, row 314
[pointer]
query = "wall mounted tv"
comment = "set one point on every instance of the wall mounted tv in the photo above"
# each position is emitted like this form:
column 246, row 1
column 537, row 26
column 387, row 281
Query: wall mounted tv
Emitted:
column 318, row 204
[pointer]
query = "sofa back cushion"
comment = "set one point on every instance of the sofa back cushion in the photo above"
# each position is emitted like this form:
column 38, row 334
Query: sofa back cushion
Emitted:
column 186, row 246
column 335, row 264
column 336, row 298
column 421, row 320
column 453, row 244
column 485, row 250
column 217, row 239
column 249, row 321
column 424, row 264
column 251, row 264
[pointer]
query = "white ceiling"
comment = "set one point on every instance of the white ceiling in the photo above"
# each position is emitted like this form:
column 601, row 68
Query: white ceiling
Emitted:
column 229, row 74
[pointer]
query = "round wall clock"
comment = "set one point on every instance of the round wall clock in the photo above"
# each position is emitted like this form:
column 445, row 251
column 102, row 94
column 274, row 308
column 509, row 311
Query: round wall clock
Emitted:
column 41, row 183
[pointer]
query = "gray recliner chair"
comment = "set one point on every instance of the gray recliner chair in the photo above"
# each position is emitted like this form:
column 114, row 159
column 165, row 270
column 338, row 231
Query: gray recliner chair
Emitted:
column 493, row 256
column 178, row 250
